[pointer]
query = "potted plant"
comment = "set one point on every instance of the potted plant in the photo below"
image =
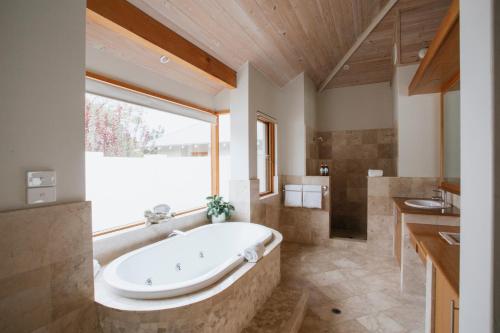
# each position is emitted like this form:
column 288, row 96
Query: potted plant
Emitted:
column 218, row 209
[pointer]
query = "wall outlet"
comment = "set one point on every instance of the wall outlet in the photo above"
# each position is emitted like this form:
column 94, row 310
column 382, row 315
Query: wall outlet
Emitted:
column 39, row 195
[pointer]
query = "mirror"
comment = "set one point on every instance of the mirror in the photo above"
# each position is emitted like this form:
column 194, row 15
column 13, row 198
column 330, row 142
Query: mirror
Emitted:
column 450, row 149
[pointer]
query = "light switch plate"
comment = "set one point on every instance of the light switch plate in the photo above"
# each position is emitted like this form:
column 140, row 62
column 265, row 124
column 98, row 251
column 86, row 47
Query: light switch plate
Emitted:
column 40, row 178
column 39, row 195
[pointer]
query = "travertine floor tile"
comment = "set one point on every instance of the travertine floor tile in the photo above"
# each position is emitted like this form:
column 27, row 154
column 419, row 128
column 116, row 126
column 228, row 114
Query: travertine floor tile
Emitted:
column 364, row 286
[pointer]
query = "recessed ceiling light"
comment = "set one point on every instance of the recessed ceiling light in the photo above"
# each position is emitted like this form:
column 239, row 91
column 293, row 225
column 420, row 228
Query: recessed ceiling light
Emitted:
column 346, row 67
column 164, row 59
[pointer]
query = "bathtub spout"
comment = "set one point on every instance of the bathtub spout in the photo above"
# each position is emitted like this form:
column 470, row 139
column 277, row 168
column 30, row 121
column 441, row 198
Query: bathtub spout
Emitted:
column 175, row 233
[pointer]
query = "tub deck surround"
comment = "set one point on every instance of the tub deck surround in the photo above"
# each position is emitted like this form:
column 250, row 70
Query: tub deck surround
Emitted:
column 185, row 263
column 46, row 272
column 227, row 306
column 305, row 225
column 283, row 312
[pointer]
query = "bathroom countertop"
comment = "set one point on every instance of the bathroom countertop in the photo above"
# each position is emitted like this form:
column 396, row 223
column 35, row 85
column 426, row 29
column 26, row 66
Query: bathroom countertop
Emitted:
column 445, row 257
column 405, row 209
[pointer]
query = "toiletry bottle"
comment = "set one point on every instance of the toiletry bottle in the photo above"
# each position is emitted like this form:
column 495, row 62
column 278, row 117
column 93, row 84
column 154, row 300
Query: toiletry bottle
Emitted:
column 327, row 170
column 322, row 170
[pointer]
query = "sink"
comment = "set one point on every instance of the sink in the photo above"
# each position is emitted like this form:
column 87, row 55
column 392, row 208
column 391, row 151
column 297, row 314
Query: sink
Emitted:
column 425, row 204
column 453, row 238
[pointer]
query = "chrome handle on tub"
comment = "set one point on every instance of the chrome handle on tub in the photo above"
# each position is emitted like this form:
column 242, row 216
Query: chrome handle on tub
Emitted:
column 452, row 316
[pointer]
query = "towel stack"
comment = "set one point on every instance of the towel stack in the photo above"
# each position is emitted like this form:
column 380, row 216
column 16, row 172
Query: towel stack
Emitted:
column 307, row 196
column 293, row 195
column 311, row 196
column 254, row 252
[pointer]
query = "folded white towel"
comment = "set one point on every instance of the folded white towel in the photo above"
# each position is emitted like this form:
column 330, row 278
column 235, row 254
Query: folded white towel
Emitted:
column 311, row 188
column 254, row 252
column 311, row 199
column 375, row 173
column 97, row 267
column 293, row 195
column 293, row 187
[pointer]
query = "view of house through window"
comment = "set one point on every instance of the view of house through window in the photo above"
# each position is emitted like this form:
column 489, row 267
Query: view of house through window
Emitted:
column 137, row 157
column 265, row 156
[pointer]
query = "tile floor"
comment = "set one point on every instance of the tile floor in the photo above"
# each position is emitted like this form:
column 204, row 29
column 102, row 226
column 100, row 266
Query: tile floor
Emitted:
column 364, row 287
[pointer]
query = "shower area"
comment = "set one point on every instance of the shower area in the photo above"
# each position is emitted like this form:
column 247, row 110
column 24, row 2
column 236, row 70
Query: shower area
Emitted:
column 349, row 155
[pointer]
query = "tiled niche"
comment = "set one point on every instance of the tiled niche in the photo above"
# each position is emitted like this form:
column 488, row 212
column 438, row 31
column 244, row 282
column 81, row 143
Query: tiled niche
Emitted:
column 349, row 154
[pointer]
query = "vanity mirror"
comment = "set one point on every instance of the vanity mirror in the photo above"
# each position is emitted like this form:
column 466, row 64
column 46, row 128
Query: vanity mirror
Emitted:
column 450, row 136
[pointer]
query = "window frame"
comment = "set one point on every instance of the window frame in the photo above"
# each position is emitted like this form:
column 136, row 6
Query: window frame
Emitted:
column 214, row 143
column 270, row 153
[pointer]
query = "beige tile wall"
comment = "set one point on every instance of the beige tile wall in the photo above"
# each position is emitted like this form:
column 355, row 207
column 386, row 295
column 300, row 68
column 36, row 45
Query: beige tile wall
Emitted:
column 46, row 279
column 380, row 205
column 304, row 225
column 349, row 155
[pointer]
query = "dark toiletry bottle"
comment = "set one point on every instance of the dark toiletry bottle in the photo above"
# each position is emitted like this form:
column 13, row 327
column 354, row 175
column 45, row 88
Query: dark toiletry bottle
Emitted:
column 327, row 170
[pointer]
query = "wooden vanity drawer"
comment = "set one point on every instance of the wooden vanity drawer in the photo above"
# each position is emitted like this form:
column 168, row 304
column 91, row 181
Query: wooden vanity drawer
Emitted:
column 418, row 248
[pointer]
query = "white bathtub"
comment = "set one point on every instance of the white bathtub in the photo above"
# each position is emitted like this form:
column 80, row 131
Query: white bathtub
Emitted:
column 185, row 263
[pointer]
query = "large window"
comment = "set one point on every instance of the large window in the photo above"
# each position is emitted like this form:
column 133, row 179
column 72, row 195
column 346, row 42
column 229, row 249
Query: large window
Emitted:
column 265, row 155
column 137, row 157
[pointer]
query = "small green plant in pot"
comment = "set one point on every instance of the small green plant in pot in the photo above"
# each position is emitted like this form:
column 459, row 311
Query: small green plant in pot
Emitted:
column 218, row 209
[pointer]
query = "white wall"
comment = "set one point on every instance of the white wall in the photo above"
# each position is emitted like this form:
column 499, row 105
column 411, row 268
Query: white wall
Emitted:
column 355, row 108
column 293, row 128
column 310, row 105
column 242, row 134
column 42, row 96
column 418, row 127
column 480, row 166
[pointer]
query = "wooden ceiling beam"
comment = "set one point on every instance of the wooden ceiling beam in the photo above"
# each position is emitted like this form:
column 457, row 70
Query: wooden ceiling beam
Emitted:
column 122, row 17
column 376, row 20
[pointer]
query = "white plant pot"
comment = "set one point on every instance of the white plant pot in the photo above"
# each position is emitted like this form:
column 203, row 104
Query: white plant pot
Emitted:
column 219, row 219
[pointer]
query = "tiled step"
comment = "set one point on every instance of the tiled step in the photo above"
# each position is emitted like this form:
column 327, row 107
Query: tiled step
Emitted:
column 282, row 313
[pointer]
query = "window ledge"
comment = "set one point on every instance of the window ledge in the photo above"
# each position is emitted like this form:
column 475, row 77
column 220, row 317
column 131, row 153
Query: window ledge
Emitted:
column 267, row 196
column 144, row 226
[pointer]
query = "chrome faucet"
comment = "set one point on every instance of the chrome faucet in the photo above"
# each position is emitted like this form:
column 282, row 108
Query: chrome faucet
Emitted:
column 441, row 197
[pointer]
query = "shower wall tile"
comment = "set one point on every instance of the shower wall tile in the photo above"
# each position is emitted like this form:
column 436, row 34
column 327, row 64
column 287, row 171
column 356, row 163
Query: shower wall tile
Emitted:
column 305, row 225
column 46, row 278
column 349, row 155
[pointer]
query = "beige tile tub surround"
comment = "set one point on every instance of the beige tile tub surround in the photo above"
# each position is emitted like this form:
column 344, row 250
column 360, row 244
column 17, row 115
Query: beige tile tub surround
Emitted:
column 46, row 280
column 304, row 225
column 228, row 311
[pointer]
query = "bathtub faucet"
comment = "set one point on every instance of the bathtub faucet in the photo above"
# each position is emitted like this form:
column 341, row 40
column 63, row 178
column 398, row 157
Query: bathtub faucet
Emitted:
column 175, row 233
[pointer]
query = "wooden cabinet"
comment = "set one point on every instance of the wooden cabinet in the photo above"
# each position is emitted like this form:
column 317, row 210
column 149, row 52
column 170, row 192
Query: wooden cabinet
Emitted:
column 445, row 305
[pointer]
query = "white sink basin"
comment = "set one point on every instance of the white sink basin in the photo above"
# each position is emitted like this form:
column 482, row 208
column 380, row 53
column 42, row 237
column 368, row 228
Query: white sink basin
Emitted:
column 425, row 204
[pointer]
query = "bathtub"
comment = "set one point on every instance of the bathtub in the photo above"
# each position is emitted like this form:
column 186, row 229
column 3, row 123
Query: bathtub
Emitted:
column 185, row 263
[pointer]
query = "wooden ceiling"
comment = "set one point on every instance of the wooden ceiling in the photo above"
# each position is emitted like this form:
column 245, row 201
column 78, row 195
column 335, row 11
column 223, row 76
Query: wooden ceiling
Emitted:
column 411, row 24
column 283, row 38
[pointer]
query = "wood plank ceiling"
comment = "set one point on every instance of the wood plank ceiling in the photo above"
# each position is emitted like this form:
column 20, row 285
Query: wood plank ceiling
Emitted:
column 283, row 38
